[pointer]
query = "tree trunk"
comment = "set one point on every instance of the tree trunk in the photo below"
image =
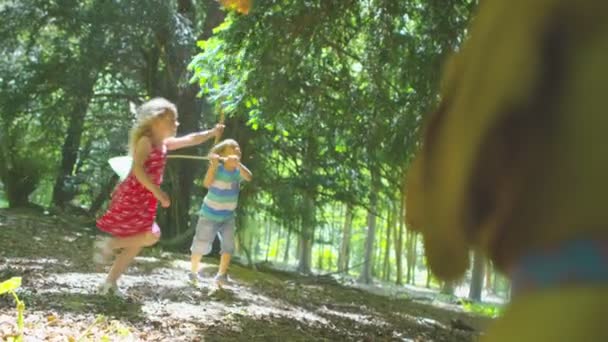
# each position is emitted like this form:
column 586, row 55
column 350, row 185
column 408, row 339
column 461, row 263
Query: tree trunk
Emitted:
column 408, row 257
column 251, row 246
column 287, row 245
column 412, row 254
column 345, row 244
column 277, row 243
column 331, row 234
column 366, row 272
column 494, row 282
column 183, row 173
column 16, row 196
column 322, row 250
column 104, row 195
column 489, row 284
column 299, row 245
column 308, row 215
column 177, row 217
column 377, row 258
column 307, row 234
column 62, row 191
column 256, row 249
column 246, row 250
column 268, row 242
column 477, row 277
column 20, row 180
column 387, row 247
column 399, row 242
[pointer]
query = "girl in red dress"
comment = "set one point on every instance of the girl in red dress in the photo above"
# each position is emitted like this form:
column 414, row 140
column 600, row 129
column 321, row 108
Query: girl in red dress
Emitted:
column 132, row 210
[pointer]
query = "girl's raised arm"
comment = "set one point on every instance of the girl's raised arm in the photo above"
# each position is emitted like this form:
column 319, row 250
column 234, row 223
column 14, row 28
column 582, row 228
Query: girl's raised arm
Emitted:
column 192, row 139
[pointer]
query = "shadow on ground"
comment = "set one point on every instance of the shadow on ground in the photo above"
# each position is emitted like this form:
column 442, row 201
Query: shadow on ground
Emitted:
column 59, row 289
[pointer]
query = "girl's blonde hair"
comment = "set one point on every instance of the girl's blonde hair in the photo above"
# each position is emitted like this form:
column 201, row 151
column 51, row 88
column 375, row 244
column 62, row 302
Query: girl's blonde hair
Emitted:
column 221, row 147
column 145, row 115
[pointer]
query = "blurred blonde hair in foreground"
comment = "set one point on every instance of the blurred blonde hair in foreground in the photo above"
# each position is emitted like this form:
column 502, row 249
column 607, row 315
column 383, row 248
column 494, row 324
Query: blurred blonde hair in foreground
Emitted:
column 513, row 162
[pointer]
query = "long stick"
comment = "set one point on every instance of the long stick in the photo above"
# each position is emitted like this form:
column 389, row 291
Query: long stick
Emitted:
column 217, row 138
column 183, row 156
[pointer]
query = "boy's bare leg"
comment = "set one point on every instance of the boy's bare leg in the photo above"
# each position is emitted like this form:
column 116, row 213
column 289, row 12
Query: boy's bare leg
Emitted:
column 224, row 263
column 195, row 262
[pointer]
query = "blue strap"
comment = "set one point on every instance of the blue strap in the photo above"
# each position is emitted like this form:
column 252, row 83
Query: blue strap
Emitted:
column 576, row 262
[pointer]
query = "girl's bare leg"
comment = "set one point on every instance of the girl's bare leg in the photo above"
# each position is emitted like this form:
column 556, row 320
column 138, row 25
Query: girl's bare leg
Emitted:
column 121, row 263
column 131, row 246
column 138, row 240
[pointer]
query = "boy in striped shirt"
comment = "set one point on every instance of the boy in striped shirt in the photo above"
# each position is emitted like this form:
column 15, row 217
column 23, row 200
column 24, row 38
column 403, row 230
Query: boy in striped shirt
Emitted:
column 216, row 215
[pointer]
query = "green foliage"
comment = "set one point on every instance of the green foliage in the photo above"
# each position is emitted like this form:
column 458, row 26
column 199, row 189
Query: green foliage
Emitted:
column 319, row 93
column 346, row 83
column 484, row 309
column 3, row 201
column 113, row 328
column 10, row 286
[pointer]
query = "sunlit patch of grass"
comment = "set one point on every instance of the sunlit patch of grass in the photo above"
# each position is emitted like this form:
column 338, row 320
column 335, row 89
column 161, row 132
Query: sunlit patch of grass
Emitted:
column 3, row 201
column 483, row 309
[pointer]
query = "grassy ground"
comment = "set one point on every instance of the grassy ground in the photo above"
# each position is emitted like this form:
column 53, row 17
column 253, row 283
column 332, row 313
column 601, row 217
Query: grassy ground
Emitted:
column 52, row 255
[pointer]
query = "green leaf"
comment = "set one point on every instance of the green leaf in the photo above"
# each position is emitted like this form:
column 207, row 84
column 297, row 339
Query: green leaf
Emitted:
column 10, row 285
column 124, row 332
column 223, row 26
column 340, row 148
column 202, row 44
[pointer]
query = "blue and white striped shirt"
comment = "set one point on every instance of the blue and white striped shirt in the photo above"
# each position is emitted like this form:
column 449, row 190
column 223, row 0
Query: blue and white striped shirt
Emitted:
column 222, row 198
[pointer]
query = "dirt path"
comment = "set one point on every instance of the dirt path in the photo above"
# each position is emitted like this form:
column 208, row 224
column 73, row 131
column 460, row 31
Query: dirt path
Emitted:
column 52, row 255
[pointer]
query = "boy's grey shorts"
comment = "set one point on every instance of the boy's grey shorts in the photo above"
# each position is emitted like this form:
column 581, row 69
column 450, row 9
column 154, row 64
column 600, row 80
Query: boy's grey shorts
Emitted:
column 206, row 230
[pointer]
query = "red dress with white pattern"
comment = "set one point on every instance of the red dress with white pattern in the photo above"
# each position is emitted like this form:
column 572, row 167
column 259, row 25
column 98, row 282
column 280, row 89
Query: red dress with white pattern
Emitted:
column 132, row 209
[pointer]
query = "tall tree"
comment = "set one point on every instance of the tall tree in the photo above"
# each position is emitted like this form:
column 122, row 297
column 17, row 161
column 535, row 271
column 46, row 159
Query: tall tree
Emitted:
column 366, row 272
column 399, row 240
column 387, row 245
column 326, row 72
column 477, row 276
column 412, row 242
column 343, row 256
